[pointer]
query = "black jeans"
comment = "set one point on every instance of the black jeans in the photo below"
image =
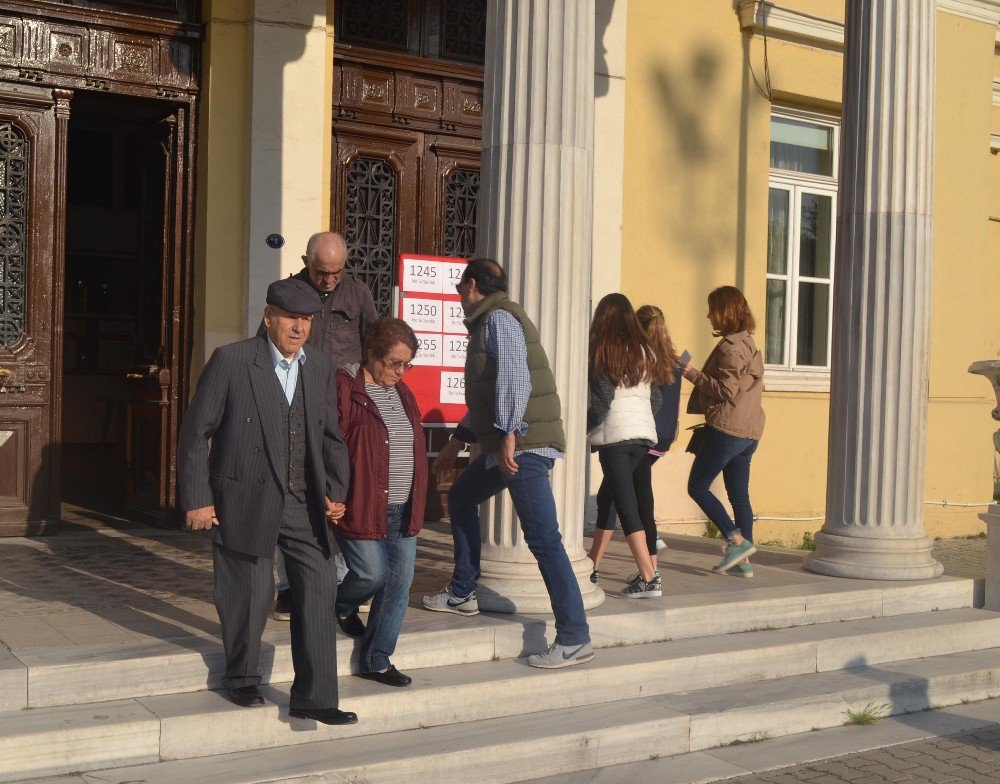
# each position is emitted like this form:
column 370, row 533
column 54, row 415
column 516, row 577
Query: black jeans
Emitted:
column 626, row 491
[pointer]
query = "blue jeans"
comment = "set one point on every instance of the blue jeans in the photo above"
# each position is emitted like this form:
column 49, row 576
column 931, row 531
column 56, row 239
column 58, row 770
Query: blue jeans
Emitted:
column 383, row 569
column 531, row 493
column 721, row 452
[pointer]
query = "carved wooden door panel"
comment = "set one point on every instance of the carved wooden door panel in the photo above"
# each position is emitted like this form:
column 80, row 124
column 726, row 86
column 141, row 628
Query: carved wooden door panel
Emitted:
column 449, row 196
column 32, row 170
column 376, row 182
column 152, row 411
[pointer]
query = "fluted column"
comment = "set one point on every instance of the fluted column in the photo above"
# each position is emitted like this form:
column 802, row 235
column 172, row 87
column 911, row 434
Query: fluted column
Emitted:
column 878, row 409
column 536, row 213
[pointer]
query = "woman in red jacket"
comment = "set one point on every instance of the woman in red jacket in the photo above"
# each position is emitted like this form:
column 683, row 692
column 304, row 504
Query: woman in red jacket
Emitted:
column 385, row 501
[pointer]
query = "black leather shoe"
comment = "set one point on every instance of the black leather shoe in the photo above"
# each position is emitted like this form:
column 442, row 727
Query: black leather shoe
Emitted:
column 324, row 715
column 245, row 696
column 391, row 677
column 352, row 625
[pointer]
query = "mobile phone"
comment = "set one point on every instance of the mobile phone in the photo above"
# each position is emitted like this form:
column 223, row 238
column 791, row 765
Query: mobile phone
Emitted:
column 685, row 358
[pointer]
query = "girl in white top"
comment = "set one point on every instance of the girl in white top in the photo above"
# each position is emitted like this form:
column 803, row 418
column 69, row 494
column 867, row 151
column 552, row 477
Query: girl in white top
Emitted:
column 623, row 397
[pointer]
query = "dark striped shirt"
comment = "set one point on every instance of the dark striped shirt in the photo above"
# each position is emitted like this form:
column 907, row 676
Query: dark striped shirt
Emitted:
column 400, row 440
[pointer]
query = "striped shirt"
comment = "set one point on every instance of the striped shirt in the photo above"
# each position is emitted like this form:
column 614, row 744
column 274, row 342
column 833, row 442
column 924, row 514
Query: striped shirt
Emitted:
column 505, row 345
column 400, row 440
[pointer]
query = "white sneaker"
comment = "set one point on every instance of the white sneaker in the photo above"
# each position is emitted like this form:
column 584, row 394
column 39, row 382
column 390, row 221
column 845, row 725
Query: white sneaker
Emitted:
column 660, row 544
column 562, row 656
column 446, row 601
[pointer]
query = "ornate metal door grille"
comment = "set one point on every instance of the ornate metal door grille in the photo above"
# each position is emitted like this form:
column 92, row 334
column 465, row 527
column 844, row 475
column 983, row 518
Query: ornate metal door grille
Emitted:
column 371, row 226
column 460, row 202
column 379, row 22
column 14, row 159
column 463, row 34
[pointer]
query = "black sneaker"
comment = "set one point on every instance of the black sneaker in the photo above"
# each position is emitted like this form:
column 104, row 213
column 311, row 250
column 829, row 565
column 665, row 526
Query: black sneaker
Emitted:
column 283, row 606
column 638, row 588
column 595, row 576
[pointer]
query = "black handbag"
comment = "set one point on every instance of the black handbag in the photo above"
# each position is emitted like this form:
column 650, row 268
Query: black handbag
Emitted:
column 697, row 438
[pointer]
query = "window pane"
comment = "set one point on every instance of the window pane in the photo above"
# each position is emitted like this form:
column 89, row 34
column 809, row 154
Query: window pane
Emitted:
column 814, row 235
column 801, row 146
column 774, row 337
column 814, row 318
column 777, row 231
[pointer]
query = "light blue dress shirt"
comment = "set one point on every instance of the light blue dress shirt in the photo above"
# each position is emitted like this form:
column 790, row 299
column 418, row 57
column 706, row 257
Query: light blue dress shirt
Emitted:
column 286, row 370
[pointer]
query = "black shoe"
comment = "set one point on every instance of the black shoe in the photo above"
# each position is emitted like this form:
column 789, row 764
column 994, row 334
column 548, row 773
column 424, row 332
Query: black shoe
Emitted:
column 324, row 715
column 391, row 677
column 595, row 576
column 283, row 606
column 245, row 696
column 351, row 625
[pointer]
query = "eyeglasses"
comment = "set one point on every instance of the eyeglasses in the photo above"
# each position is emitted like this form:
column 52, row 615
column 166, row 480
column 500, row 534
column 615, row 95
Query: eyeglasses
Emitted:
column 397, row 364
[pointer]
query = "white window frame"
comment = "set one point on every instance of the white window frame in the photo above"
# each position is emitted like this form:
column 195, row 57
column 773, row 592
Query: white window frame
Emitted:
column 790, row 376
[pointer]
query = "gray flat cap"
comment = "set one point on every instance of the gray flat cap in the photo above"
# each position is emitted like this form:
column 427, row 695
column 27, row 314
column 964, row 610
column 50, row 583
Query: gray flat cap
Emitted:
column 294, row 296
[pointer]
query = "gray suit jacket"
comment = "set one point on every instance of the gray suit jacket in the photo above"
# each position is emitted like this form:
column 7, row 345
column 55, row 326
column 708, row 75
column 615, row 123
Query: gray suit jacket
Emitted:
column 238, row 406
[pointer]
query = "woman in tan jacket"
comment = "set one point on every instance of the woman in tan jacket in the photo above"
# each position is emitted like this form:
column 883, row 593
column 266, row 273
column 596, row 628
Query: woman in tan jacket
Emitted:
column 728, row 391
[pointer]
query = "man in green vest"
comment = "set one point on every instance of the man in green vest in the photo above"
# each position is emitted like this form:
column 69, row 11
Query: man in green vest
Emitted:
column 515, row 417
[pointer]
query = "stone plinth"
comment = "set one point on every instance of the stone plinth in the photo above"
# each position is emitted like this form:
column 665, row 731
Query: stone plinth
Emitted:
column 991, row 370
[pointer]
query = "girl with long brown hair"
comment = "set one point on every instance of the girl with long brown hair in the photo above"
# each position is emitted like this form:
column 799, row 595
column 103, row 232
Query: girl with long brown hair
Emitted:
column 654, row 327
column 728, row 390
column 623, row 370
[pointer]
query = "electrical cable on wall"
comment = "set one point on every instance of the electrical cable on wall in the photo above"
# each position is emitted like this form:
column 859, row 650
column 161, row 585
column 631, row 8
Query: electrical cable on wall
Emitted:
column 765, row 91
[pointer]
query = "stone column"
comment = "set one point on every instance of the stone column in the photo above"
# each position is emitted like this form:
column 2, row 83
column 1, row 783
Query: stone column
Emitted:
column 991, row 370
column 287, row 130
column 536, row 214
column 878, row 409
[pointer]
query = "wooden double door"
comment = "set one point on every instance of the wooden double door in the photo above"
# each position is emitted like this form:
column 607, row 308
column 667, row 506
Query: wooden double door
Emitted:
column 47, row 315
column 402, row 191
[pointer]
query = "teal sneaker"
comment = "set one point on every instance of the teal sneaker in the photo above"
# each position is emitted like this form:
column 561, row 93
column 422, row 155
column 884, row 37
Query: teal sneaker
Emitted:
column 734, row 555
column 743, row 570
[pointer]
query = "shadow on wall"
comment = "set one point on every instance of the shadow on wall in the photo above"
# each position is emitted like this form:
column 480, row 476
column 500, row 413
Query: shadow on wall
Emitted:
column 604, row 10
column 697, row 204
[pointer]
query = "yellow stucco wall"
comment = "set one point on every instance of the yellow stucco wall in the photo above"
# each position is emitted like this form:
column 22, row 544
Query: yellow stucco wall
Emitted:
column 695, row 214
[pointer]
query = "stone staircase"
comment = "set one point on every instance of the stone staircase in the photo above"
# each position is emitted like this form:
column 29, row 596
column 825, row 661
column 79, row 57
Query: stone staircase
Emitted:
column 672, row 676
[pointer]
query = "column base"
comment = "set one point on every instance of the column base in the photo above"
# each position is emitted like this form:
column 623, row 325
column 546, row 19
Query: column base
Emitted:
column 873, row 559
column 517, row 586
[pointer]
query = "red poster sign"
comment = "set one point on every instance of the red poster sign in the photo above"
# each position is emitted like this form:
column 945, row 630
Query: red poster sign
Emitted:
column 428, row 302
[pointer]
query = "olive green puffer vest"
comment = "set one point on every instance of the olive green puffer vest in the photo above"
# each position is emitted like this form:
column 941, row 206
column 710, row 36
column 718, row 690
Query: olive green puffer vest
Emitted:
column 543, row 416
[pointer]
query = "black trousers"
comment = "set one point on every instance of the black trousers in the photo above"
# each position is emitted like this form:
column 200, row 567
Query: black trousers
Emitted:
column 244, row 587
column 627, row 485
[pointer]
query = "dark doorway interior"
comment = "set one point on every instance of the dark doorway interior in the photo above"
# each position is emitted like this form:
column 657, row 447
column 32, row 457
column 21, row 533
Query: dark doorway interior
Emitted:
column 114, row 295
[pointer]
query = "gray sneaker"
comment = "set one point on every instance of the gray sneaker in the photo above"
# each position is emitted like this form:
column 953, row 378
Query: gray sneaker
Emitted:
column 562, row 656
column 446, row 601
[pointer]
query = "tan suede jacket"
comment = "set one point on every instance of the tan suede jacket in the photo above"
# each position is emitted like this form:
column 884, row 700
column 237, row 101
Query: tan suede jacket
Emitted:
column 729, row 388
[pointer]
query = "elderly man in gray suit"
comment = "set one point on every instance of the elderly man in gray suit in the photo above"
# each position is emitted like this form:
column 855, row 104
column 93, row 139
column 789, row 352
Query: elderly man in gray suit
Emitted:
column 262, row 462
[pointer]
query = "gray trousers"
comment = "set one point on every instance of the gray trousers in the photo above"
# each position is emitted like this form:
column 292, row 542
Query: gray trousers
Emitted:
column 244, row 588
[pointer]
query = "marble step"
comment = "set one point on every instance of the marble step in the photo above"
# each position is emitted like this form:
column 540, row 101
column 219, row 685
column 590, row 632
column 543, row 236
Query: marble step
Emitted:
column 558, row 743
column 42, row 677
column 166, row 727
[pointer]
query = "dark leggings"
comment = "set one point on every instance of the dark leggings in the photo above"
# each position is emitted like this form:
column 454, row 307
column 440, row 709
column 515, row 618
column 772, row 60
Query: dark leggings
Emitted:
column 627, row 485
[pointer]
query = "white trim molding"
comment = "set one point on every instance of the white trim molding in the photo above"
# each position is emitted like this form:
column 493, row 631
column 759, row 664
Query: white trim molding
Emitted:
column 978, row 10
column 996, row 90
column 778, row 379
column 995, row 143
column 758, row 16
